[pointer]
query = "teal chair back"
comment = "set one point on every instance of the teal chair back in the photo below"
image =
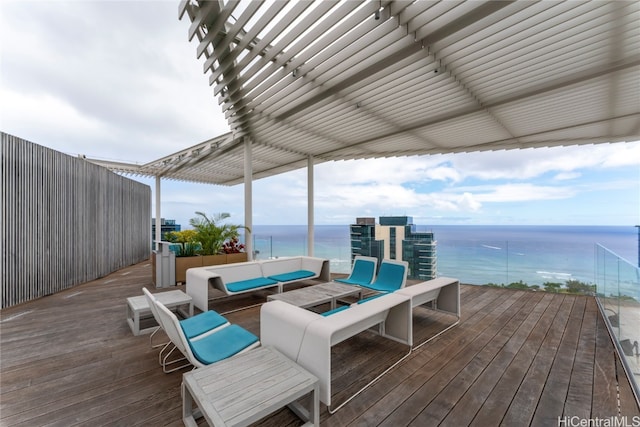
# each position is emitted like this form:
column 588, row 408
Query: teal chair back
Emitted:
column 363, row 271
column 392, row 276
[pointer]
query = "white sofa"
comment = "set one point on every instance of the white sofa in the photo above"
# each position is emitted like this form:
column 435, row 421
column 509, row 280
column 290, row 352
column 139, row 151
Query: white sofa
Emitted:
column 251, row 276
column 307, row 337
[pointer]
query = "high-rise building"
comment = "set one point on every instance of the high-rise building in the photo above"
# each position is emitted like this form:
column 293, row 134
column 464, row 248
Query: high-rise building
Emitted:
column 394, row 237
column 166, row 225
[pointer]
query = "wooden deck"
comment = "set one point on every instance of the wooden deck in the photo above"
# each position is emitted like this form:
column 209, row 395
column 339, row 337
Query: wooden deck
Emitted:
column 516, row 358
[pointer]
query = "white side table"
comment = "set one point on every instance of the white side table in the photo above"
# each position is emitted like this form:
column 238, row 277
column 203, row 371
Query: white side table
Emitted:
column 137, row 307
column 246, row 388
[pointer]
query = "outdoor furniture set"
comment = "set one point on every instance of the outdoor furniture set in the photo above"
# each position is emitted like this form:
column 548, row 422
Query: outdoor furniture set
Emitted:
column 297, row 340
column 307, row 337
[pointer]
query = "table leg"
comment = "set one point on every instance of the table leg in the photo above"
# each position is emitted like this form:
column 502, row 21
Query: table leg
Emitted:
column 187, row 408
column 311, row 416
column 314, row 414
column 136, row 322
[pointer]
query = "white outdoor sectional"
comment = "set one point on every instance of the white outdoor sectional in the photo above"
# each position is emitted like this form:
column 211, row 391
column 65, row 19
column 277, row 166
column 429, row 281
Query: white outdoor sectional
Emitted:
column 307, row 337
column 251, row 276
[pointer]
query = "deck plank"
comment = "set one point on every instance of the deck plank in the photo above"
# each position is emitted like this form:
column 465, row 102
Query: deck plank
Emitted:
column 507, row 370
column 554, row 394
column 605, row 390
column 516, row 358
column 579, row 396
column 395, row 403
column 436, row 392
column 489, row 363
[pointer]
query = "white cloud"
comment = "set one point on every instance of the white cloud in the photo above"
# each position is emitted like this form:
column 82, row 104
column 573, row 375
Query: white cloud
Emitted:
column 126, row 66
column 385, row 171
column 468, row 202
column 50, row 112
column 566, row 176
column 522, row 192
column 613, row 156
column 533, row 163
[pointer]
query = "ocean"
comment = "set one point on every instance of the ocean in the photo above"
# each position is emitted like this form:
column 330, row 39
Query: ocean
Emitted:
column 476, row 254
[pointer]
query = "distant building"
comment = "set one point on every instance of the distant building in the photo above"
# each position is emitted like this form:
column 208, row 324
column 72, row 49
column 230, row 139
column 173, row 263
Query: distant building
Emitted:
column 394, row 237
column 166, row 225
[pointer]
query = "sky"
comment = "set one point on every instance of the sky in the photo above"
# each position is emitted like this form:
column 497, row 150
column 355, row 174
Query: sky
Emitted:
column 120, row 81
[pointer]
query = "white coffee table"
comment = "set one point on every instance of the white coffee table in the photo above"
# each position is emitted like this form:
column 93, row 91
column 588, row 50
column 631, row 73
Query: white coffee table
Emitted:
column 317, row 294
column 246, row 388
column 137, row 307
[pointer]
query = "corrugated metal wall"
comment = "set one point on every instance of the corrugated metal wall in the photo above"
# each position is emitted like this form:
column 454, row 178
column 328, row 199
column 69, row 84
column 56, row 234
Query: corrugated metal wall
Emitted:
column 65, row 221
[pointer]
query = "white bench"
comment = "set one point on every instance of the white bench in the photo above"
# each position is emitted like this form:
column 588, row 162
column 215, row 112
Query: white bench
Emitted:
column 252, row 276
column 307, row 337
column 442, row 293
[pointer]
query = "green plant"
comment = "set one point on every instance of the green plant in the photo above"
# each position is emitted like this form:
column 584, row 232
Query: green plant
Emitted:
column 188, row 249
column 211, row 234
column 184, row 236
column 188, row 242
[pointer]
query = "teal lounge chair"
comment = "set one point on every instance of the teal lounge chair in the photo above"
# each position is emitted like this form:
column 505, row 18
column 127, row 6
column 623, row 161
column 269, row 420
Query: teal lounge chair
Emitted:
column 392, row 276
column 196, row 326
column 362, row 272
column 207, row 348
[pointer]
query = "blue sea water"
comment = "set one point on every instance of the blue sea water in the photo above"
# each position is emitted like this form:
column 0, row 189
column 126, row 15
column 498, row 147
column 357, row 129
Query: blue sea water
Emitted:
column 476, row 254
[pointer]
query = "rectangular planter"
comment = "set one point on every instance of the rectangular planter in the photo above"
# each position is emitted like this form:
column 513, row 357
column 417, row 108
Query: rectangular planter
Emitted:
column 214, row 259
column 239, row 257
column 184, row 263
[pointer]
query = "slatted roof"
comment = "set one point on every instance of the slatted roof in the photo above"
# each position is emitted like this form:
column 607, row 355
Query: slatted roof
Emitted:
column 340, row 80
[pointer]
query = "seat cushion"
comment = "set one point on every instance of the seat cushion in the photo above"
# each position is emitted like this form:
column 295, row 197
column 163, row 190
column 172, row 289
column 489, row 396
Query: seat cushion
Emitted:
column 294, row 275
column 222, row 344
column 362, row 273
column 390, row 278
column 344, row 307
column 335, row 310
column 245, row 285
column 201, row 323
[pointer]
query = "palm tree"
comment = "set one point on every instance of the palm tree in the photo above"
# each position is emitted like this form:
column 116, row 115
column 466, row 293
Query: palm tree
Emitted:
column 211, row 234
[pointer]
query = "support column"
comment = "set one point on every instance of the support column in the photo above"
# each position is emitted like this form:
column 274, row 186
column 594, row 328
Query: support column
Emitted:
column 158, row 236
column 248, row 198
column 310, row 206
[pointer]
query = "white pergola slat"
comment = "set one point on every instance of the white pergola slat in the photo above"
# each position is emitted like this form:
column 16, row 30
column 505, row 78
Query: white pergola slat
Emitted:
column 338, row 80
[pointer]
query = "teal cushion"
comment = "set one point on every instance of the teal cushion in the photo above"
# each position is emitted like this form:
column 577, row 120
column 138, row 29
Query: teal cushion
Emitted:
column 370, row 298
column 390, row 278
column 201, row 323
column 245, row 285
column 362, row 273
column 294, row 275
column 344, row 307
column 222, row 344
column 347, row 280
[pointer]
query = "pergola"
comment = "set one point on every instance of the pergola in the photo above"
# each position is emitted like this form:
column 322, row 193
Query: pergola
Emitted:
column 305, row 82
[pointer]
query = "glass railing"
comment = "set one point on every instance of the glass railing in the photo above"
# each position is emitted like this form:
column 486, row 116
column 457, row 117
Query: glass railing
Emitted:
column 618, row 295
column 515, row 263
column 338, row 252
